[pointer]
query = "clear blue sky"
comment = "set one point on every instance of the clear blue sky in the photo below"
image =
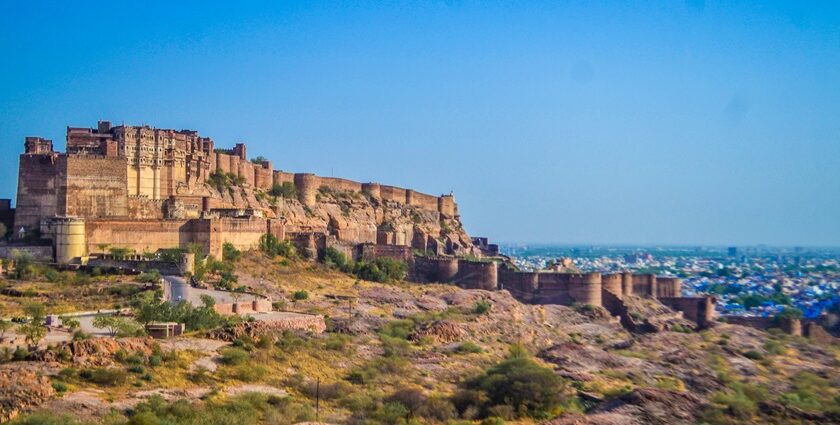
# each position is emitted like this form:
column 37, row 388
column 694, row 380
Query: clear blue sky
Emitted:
column 573, row 122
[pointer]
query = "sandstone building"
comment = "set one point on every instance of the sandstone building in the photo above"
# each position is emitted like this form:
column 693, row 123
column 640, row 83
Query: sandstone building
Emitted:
column 145, row 189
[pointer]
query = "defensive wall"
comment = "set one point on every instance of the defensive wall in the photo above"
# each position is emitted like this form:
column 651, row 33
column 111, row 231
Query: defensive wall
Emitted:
column 808, row 328
column 699, row 310
column 595, row 289
column 76, row 238
column 308, row 185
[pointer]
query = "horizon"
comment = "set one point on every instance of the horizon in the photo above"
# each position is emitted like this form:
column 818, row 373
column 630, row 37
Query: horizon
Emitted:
column 647, row 126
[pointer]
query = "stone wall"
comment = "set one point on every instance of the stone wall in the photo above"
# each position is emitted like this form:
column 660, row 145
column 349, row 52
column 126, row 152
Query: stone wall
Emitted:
column 36, row 193
column 37, row 252
column 370, row 252
column 668, row 287
column 644, row 285
column 92, row 186
column 700, row 310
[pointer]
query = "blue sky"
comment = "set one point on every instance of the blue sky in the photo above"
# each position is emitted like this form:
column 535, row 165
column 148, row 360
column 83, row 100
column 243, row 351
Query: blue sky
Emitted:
column 695, row 122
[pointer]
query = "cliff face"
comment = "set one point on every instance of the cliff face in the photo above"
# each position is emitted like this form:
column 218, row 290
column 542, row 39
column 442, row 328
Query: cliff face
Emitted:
column 353, row 217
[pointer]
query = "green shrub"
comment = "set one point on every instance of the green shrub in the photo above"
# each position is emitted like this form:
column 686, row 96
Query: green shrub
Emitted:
column 519, row 381
column 754, row 355
column 230, row 253
column 150, row 276
column 59, row 386
column 271, row 246
column 285, row 190
column 300, row 295
column 482, row 307
column 336, row 342
column 234, row 356
column 104, row 376
column 468, row 347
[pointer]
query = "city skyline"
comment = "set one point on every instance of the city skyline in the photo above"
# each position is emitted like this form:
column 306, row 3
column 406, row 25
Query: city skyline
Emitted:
column 663, row 125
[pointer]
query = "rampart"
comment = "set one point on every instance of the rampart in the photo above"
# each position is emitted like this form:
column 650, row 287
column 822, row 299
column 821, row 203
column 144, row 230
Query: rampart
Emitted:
column 789, row 325
column 697, row 309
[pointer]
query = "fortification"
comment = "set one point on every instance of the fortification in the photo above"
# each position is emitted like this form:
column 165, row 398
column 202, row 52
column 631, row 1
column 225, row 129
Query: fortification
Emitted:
column 612, row 284
column 145, row 188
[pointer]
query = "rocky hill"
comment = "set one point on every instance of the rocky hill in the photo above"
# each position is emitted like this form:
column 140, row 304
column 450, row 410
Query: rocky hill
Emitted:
column 408, row 353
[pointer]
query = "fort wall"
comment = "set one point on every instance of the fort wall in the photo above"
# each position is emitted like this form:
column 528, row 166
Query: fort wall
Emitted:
column 553, row 289
column 644, row 285
column 585, row 288
column 307, row 188
column 36, row 193
column 612, row 284
column 92, row 186
column 370, row 252
column 627, row 283
column 391, row 193
column 668, row 287
column 263, row 176
column 522, row 285
column 281, row 177
column 341, row 185
column 477, row 275
column 447, row 206
column 372, row 189
column 697, row 309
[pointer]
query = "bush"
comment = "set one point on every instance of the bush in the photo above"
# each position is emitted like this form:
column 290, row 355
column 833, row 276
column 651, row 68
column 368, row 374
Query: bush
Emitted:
column 482, row 306
column 754, row 355
column 381, row 270
column 518, row 381
column 300, row 295
column 271, row 246
column 230, row 253
column 468, row 347
column 59, row 386
column 234, row 356
column 336, row 342
column 150, row 276
column 104, row 376
column 285, row 190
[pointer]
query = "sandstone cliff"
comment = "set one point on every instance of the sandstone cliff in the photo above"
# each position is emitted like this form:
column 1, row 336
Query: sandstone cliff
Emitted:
column 352, row 217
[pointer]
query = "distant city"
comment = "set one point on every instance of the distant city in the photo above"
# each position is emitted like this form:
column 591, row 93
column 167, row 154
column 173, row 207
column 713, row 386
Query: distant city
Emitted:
column 748, row 281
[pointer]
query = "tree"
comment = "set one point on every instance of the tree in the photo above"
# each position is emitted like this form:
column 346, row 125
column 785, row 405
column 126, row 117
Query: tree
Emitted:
column 23, row 265
column 69, row 322
column 519, row 382
column 36, row 311
column 33, row 332
column 115, row 325
column 260, row 160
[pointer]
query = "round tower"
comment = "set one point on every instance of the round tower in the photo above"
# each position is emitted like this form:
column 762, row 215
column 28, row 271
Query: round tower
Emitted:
column 307, row 188
column 586, row 289
column 447, row 269
column 372, row 189
column 612, row 284
column 70, row 242
column 627, row 283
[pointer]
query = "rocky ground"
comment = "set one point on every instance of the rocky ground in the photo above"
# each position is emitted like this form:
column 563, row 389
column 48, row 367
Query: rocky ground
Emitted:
column 384, row 337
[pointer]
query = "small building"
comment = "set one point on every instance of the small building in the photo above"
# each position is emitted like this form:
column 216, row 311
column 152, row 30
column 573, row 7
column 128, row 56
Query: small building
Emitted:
column 164, row 330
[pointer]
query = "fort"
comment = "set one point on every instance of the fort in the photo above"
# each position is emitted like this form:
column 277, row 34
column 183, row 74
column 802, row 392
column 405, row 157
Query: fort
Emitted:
column 141, row 190
column 145, row 189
